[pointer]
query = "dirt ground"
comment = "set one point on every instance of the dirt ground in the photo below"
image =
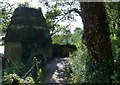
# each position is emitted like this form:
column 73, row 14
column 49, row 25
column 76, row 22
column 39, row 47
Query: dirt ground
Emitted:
column 56, row 71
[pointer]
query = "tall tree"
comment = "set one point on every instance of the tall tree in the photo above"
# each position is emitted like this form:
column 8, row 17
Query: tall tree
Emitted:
column 96, row 35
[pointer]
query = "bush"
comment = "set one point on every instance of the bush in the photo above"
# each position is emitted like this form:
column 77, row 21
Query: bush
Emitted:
column 15, row 79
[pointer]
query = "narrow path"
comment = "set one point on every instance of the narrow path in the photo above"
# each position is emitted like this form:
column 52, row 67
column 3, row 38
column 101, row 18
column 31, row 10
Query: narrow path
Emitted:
column 56, row 71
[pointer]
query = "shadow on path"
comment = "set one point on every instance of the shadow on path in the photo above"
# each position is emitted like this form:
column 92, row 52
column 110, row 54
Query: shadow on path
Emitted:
column 56, row 71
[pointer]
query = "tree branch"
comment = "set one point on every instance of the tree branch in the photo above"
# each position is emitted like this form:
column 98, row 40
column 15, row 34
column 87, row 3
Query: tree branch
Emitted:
column 75, row 10
column 61, row 18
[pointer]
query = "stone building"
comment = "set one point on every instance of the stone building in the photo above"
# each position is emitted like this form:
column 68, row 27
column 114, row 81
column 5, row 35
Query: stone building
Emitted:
column 27, row 33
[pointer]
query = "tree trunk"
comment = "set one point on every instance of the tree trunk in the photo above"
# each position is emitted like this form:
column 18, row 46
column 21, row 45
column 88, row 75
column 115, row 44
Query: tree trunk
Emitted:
column 96, row 34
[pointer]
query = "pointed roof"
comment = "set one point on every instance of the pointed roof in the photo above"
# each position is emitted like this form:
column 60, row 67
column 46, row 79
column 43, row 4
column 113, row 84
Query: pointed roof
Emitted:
column 25, row 16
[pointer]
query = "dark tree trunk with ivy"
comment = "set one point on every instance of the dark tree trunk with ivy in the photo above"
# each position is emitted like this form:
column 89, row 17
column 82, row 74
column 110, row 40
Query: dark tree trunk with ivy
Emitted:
column 96, row 36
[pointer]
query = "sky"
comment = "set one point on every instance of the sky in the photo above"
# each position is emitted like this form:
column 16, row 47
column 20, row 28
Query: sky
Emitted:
column 34, row 3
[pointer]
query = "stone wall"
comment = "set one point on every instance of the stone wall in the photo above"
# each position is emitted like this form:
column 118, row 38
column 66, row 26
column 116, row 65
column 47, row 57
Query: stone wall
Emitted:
column 62, row 50
column 13, row 50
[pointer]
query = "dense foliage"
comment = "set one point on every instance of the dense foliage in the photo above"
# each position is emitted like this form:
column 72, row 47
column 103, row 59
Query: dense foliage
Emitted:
column 113, row 12
column 82, row 67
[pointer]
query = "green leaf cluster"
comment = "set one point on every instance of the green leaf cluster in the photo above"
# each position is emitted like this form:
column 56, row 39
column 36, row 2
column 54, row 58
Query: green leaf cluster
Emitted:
column 113, row 12
column 5, row 15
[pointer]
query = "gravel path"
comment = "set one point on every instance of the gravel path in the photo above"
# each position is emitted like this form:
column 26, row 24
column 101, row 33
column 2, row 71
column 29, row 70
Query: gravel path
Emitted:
column 56, row 71
column 2, row 49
